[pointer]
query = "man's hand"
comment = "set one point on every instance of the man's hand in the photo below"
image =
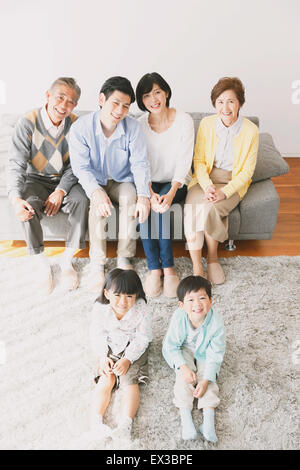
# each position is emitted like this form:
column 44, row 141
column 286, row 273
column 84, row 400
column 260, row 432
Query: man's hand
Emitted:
column 23, row 210
column 188, row 375
column 53, row 202
column 142, row 208
column 201, row 388
column 102, row 202
column 121, row 366
column 106, row 366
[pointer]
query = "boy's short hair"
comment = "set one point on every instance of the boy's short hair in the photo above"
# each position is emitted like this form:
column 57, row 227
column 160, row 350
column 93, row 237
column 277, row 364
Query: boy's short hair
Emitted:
column 68, row 81
column 193, row 284
column 145, row 85
column 118, row 84
column 122, row 281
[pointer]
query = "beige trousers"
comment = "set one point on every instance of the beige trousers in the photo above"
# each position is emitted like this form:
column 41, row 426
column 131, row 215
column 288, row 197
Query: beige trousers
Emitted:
column 183, row 392
column 201, row 215
column 125, row 195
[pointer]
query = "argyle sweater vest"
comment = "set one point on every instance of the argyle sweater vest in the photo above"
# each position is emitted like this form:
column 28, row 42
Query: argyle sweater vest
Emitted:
column 36, row 155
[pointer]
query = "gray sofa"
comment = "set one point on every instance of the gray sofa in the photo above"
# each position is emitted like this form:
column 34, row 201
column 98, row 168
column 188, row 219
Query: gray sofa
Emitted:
column 253, row 219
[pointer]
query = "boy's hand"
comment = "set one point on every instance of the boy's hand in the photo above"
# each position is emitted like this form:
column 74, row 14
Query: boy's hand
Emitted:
column 188, row 375
column 201, row 388
column 121, row 366
column 106, row 365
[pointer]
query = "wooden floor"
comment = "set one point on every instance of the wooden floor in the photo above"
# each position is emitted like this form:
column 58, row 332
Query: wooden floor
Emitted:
column 285, row 240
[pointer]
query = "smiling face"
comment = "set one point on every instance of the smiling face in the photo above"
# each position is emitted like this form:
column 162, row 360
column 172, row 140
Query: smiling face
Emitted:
column 227, row 107
column 60, row 103
column 119, row 302
column 196, row 305
column 114, row 108
column 155, row 101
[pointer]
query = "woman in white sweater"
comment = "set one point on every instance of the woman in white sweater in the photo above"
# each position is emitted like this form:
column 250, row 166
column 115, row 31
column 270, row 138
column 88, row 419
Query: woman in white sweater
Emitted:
column 170, row 142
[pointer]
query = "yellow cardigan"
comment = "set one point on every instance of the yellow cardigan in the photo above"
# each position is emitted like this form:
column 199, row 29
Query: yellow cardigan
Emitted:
column 245, row 147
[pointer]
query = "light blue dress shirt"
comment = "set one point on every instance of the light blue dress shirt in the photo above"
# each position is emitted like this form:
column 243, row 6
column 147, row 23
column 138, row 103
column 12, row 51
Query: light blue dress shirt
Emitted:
column 124, row 159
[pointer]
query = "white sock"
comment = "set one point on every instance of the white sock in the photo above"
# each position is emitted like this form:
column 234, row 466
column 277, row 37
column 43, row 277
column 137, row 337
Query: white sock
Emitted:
column 188, row 430
column 123, row 263
column 97, row 268
column 208, row 426
column 66, row 259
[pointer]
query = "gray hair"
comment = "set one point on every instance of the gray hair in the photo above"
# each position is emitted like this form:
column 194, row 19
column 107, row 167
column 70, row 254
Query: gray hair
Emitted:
column 68, row 81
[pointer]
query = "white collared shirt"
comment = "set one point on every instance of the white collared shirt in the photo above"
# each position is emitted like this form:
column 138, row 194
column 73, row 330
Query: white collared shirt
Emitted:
column 224, row 151
column 134, row 328
column 53, row 130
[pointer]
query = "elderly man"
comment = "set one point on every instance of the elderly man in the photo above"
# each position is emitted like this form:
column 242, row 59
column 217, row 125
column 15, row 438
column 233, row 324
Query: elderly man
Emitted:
column 108, row 155
column 41, row 181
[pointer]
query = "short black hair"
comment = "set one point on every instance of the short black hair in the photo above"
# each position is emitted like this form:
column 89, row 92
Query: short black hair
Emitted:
column 122, row 281
column 120, row 84
column 145, row 85
column 193, row 284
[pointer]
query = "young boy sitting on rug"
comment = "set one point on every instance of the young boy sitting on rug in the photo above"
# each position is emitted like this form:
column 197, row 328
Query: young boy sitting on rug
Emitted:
column 120, row 333
column 194, row 346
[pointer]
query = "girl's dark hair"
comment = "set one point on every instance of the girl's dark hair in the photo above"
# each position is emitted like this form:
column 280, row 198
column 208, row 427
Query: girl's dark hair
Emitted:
column 145, row 85
column 120, row 84
column 122, row 281
column 193, row 284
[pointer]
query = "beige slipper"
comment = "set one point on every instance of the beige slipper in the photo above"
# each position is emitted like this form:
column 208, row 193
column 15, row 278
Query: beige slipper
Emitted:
column 96, row 282
column 70, row 279
column 170, row 285
column 153, row 285
column 215, row 273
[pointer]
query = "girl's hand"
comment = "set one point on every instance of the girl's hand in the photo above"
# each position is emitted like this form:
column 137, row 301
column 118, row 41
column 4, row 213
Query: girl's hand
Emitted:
column 188, row 375
column 121, row 366
column 166, row 201
column 201, row 388
column 154, row 200
column 106, row 366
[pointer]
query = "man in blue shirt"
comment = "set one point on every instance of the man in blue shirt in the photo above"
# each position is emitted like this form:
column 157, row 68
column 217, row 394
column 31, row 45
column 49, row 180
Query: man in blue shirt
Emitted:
column 109, row 157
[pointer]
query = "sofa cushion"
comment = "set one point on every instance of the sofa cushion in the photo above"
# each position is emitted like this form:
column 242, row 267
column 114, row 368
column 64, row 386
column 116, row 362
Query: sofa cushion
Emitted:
column 269, row 161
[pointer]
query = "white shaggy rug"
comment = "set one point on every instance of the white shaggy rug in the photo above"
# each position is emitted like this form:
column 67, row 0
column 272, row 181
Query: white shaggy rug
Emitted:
column 47, row 367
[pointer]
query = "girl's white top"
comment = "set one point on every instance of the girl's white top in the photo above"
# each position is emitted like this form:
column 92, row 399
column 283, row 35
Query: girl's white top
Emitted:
column 224, row 151
column 170, row 153
column 134, row 328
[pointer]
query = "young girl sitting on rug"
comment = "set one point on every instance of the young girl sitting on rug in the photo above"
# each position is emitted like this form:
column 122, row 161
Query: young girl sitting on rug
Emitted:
column 194, row 346
column 120, row 333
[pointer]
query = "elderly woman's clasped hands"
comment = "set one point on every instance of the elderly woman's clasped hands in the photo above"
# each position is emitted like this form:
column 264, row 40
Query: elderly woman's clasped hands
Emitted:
column 212, row 194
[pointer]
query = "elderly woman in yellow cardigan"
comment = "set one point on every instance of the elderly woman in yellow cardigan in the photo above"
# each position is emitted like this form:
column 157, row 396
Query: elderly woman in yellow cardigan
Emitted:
column 224, row 162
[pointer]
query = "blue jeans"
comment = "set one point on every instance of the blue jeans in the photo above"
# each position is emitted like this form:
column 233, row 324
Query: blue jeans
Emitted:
column 155, row 231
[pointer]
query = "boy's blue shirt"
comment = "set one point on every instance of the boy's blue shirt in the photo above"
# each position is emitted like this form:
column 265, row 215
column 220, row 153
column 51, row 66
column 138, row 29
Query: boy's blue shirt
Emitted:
column 210, row 344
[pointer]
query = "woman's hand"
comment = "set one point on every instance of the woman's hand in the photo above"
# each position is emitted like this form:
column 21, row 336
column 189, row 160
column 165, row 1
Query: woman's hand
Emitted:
column 166, row 201
column 106, row 366
column 219, row 195
column 209, row 193
column 121, row 366
column 201, row 388
column 155, row 199
column 188, row 375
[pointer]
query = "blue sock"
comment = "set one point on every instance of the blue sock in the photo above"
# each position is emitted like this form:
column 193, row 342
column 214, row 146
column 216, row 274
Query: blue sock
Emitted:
column 208, row 426
column 188, row 430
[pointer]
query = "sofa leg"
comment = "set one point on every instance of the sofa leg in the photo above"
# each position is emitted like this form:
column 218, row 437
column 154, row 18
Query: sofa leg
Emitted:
column 230, row 246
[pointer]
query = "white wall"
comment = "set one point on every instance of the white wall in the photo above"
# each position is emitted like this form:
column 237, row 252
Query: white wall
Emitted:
column 192, row 43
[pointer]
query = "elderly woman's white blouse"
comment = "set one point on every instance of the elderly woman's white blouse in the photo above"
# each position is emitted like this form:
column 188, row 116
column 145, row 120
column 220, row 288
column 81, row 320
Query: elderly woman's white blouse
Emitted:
column 170, row 153
column 134, row 328
column 224, row 151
